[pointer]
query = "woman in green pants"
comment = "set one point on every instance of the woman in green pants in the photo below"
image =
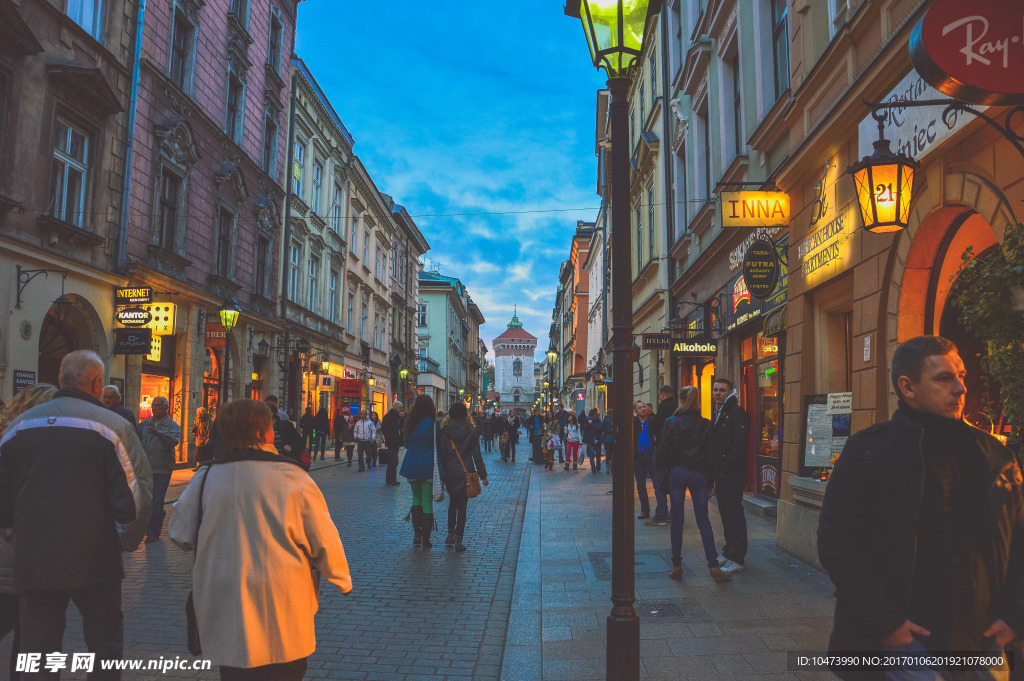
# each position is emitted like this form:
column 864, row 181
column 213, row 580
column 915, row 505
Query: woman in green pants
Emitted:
column 418, row 467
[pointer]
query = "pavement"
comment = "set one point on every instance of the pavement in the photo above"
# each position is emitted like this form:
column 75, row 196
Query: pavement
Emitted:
column 528, row 600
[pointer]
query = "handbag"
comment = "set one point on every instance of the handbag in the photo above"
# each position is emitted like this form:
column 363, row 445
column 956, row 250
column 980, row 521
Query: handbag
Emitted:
column 192, row 628
column 472, row 479
column 438, row 488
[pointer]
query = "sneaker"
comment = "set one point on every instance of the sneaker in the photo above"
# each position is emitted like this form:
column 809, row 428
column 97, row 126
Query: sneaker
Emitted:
column 722, row 560
column 656, row 522
column 676, row 573
column 732, row 567
column 720, row 575
column 643, row 516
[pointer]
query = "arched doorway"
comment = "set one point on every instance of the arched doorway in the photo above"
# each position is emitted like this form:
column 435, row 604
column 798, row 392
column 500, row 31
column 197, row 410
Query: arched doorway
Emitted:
column 64, row 329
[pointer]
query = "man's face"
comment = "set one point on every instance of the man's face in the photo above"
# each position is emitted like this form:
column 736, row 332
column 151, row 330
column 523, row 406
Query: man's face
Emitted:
column 160, row 408
column 941, row 389
column 719, row 391
column 639, row 408
column 110, row 398
column 272, row 404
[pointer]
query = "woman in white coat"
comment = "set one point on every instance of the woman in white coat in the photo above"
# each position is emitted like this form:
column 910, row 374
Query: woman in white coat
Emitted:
column 262, row 527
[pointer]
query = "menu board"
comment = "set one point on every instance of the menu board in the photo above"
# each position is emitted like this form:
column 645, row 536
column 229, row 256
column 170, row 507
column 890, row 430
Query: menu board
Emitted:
column 824, row 431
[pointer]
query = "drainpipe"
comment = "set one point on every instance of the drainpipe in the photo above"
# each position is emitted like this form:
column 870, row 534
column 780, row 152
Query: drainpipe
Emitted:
column 129, row 146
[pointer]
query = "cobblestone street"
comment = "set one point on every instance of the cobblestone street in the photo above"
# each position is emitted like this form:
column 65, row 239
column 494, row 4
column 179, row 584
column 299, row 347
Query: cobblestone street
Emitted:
column 527, row 601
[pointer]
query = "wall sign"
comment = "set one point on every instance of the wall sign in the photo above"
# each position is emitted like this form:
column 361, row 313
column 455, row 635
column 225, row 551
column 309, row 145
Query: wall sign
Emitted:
column 132, row 316
column 824, row 433
column 755, row 209
column 132, row 341
column 826, row 246
column 656, row 341
column 687, row 349
column 736, row 254
column 23, row 379
column 761, row 268
column 349, row 387
column 973, row 51
column 133, row 296
column 216, row 335
column 165, row 316
column 156, row 349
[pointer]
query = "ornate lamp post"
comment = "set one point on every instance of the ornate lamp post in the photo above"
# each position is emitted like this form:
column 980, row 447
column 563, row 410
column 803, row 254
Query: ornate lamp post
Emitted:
column 615, row 33
column 884, row 182
column 229, row 312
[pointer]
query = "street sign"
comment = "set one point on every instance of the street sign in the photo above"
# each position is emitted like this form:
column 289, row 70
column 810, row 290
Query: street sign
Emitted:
column 132, row 341
column 761, row 268
column 23, row 379
column 133, row 296
column 755, row 209
column 132, row 316
column 687, row 349
column 656, row 341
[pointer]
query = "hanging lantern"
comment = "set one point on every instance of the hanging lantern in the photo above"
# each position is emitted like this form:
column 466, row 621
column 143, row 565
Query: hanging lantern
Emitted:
column 884, row 182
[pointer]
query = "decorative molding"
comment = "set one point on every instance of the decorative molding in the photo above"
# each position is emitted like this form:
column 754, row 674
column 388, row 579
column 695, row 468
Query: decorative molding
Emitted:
column 57, row 230
column 232, row 173
column 238, row 53
column 177, row 143
column 267, row 217
column 300, row 230
column 166, row 261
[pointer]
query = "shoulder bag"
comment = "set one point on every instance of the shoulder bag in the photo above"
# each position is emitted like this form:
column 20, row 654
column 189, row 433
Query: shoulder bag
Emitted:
column 473, row 488
column 194, row 645
column 438, row 488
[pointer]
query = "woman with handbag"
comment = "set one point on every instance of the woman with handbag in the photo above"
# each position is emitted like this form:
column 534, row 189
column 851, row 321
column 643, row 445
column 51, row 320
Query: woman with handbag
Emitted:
column 462, row 469
column 259, row 527
column 418, row 467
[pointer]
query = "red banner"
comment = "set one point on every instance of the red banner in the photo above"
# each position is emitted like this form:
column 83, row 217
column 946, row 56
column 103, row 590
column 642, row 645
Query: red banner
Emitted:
column 349, row 387
column 216, row 335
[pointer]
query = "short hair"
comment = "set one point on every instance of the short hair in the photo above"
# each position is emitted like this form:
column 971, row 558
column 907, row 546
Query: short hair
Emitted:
column 650, row 406
column 241, row 423
column 723, row 379
column 458, row 411
column 117, row 391
column 666, row 390
column 79, row 369
column 270, row 398
column 162, row 400
column 689, row 400
column 910, row 356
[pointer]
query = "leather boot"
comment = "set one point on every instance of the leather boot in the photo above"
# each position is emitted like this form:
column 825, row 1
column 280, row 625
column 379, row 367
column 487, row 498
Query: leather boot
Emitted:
column 417, row 525
column 459, row 546
column 427, row 527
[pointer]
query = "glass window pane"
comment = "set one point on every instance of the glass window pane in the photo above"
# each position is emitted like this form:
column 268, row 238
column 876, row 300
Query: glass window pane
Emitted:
column 75, row 196
column 60, row 136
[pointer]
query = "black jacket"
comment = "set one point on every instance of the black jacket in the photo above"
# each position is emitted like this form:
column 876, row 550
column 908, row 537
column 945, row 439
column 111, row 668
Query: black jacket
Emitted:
column 391, row 428
column 684, row 442
column 666, row 408
column 287, row 441
column 730, row 440
column 867, row 534
column 467, row 440
column 590, row 431
column 322, row 421
column 307, row 423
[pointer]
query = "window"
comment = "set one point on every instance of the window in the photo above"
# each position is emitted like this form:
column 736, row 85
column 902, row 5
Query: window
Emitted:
column 639, row 239
column 262, row 264
column 780, row 46
column 366, row 248
column 299, row 161
column 654, row 73
column 332, row 296
column 167, row 211
column 650, row 222
column 376, row 331
column 737, row 105
column 293, row 273
column 182, row 39
column 355, row 236
column 421, row 314
column 351, row 307
column 318, row 179
column 274, row 50
column 705, row 125
column 225, row 227
column 362, row 322
column 632, row 128
column 70, row 172
column 88, row 14
column 643, row 106
column 270, row 145
column 240, row 10
column 314, row 271
column 336, row 210
column 236, row 108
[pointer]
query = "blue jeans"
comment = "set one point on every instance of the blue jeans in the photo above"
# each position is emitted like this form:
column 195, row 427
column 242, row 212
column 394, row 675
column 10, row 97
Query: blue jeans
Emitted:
column 682, row 479
column 643, row 466
column 156, row 517
column 320, row 444
column 594, row 454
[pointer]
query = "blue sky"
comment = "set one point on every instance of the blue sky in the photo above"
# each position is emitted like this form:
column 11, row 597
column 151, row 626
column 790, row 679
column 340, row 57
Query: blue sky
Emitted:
column 470, row 108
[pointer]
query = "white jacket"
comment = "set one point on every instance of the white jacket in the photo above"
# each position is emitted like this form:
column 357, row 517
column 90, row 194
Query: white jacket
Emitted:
column 252, row 580
column 364, row 430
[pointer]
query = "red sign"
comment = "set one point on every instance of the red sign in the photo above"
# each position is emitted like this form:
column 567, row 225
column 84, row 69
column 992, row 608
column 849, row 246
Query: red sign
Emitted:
column 216, row 335
column 973, row 51
column 349, row 387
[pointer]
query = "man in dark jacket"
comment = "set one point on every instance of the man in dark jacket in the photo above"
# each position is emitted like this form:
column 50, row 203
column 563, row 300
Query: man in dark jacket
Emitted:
column 535, row 429
column 922, row 525
column 307, row 426
column 666, row 407
column 730, row 446
column 644, row 442
column 76, row 486
column 391, row 427
column 112, row 400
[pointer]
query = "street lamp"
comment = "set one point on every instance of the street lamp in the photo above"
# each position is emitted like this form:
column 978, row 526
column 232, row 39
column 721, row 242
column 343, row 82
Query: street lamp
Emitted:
column 229, row 312
column 615, row 32
column 884, row 182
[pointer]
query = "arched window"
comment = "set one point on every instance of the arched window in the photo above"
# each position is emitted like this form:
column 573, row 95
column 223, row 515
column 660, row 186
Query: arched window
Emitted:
column 517, row 368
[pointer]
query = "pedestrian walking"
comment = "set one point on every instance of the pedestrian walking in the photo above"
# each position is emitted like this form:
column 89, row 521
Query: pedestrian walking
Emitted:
column 112, row 400
column 535, row 433
column 24, row 400
column 644, row 443
column 76, row 488
column 378, row 440
column 258, row 526
column 572, row 442
column 350, row 442
column 730, row 447
column 160, row 435
column 592, row 436
column 458, row 458
column 364, row 433
column 607, row 440
column 342, row 435
column 684, row 457
column 307, row 428
column 922, row 528
column 322, row 426
column 505, row 439
column 391, row 428
column 201, row 430
column 418, row 467
column 287, row 440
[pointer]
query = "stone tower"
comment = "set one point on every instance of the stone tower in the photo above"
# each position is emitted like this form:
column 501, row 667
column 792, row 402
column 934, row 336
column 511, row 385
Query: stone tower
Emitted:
column 513, row 366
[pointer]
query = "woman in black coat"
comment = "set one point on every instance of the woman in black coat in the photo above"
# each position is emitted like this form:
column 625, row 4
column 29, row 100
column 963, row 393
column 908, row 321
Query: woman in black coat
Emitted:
column 342, row 434
column 458, row 453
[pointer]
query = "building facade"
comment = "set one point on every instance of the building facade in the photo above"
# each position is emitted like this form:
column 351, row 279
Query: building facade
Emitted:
column 443, row 337
column 514, row 379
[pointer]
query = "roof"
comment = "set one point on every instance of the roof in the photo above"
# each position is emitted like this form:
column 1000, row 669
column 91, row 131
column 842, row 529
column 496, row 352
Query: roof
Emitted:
column 514, row 333
column 301, row 65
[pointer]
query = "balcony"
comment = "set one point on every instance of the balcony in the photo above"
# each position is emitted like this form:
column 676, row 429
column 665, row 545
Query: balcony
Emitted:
column 425, row 365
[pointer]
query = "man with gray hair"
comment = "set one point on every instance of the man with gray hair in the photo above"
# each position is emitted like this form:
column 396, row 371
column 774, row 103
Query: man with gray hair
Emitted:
column 159, row 435
column 76, row 487
column 112, row 401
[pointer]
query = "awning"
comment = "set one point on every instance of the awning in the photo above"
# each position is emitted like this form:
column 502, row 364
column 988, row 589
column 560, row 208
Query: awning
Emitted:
column 775, row 322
